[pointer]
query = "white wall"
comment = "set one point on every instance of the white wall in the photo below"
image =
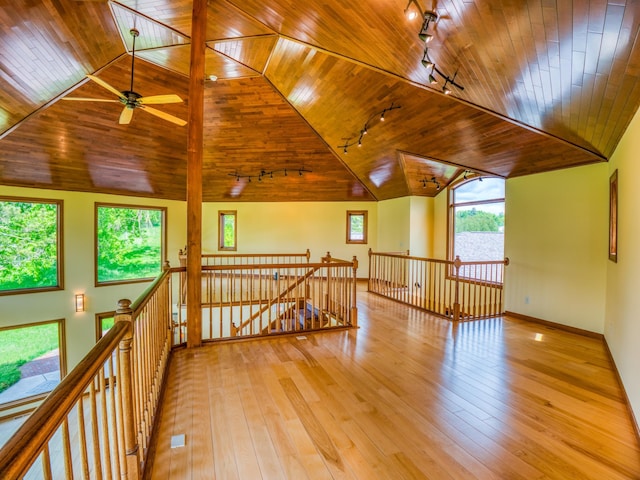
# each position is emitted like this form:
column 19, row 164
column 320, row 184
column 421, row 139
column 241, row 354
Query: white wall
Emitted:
column 78, row 217
column 622, row 323
column 556, row 241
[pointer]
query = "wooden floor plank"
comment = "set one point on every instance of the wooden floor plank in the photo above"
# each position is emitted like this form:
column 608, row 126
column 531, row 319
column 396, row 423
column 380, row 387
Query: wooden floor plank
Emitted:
column 407, row 395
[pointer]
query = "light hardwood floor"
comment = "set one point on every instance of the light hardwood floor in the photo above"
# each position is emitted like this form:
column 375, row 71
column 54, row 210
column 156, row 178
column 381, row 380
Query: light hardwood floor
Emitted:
column 406, row 396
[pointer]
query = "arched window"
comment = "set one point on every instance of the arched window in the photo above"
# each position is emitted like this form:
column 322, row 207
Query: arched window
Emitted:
column 476, row 220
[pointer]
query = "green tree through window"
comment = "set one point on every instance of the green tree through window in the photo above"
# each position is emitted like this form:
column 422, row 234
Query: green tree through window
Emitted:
column 129, row 243
column 227, row 229
column 30, row 244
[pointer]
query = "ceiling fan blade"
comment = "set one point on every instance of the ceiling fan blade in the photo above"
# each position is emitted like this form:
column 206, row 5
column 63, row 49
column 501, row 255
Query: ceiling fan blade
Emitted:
column 164, row 116
column 125, row 116
column 85, row 99
column 104, row 84
column 156, row 99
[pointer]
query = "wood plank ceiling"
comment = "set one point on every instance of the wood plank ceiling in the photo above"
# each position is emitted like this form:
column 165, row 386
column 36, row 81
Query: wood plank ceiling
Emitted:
column 539, row 85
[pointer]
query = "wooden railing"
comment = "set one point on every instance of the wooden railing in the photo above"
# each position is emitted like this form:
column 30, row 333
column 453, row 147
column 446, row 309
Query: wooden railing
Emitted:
column 455, row 289
column 246, row 299
column 97, row 422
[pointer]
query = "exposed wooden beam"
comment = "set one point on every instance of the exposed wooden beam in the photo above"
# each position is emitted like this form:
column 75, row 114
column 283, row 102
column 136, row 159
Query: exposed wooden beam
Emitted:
column 194, row 173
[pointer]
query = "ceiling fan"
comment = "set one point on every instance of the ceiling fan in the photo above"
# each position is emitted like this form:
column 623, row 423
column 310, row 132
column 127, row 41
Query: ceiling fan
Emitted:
column 131, row 99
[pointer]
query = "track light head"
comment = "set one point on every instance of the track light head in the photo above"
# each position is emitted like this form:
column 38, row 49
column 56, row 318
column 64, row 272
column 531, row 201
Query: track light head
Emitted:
column 426, row 61
column 424, row 34
column 445, row 89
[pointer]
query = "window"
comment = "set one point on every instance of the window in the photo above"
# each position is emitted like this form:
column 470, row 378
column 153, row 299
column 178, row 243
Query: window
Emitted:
column 32, row 360
column 227, row 230
column 30, row 245
column 129, row 243
column 356, row 226
column 104, row 322
column 476, row 222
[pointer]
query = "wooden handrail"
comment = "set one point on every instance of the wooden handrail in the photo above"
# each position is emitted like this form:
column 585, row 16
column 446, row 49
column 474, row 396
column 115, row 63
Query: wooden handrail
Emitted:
column 273, row 300
column 455, row 289
column 25, row 445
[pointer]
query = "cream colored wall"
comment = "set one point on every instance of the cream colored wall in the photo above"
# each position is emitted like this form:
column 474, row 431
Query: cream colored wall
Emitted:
column 78, row 213
column 394, row 220
column 421, row 226
column 622, row 325
column 556, row 241
column 291, row 227
column 440, row 209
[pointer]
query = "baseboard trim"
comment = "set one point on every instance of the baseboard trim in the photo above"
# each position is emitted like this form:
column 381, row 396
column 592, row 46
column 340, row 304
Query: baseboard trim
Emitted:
column 587, row 333
column 634, row 419
column 558, row 326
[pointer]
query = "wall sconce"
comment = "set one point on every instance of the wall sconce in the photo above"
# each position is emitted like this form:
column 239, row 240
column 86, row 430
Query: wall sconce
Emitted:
column 80, row 302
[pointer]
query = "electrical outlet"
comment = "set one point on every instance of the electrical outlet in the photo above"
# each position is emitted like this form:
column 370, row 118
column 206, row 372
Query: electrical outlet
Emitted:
column 526, row 300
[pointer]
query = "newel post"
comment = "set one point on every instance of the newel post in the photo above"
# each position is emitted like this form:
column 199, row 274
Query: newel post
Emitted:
column 354, row 305
column 457, row 263
column 370, row 268
column 129, row 460
column 328, row 295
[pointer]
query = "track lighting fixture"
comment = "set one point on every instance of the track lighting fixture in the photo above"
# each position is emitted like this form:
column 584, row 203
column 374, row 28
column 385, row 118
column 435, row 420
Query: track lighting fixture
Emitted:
column 445, row 89
column 426, row 61
column 432, row 79
column 267, row 173
column 365, row 129
column 424, row 34
column 433, row 180
column 412, row 13
column 448, row 81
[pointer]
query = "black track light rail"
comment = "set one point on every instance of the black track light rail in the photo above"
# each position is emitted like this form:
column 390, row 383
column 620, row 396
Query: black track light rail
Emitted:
column 365, row 129
column 269, row 173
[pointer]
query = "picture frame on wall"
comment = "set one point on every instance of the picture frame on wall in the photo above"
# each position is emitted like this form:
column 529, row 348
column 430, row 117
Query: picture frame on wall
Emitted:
column 613, row 217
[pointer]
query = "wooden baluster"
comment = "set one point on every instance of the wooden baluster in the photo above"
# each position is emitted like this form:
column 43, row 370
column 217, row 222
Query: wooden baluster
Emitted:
column 353, row 318
column 105, row 425
column 66, row 448
column 125, row 384
column 45, row 458
column 82, row 439
column 456, row 305
column 97, row 466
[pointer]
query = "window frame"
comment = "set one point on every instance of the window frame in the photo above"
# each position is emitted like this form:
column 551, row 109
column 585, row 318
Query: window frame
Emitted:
column 221, row 245
column 163, row 241
column 99, row 318
column 59, row 245
column 62, row 354
column 451, row 226
column 364, row 215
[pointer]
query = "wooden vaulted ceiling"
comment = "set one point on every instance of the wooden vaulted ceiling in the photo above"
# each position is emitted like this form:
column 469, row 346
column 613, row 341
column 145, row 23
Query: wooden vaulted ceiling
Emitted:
column 547, row 85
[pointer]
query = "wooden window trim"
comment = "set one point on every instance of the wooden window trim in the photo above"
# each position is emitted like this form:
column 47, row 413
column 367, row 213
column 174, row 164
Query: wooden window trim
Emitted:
column 221, row 215
column 59, row 245
column 99, row 318
column 451, row 206
column 163, row 241
column 364, row 214
column 62, row 353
